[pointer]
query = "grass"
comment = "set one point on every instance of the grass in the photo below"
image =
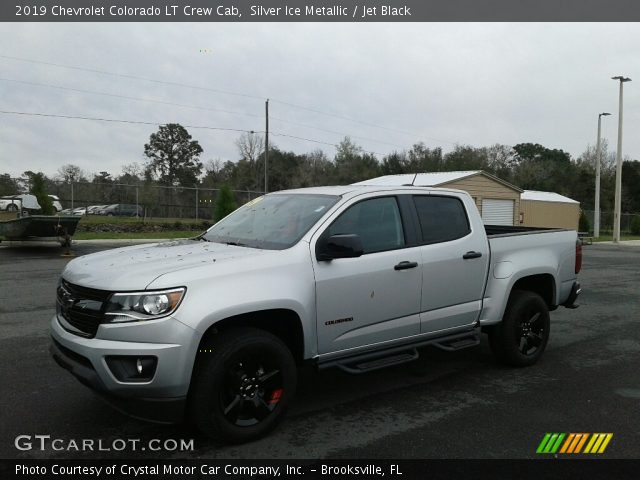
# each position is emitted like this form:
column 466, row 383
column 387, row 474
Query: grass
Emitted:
column 135, row 235
column 187, row 223
column 97, row 219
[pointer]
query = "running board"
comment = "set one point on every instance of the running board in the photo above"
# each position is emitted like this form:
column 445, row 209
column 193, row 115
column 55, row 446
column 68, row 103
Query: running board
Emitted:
column 370, row 363
column 366, row 362
column 471, row 340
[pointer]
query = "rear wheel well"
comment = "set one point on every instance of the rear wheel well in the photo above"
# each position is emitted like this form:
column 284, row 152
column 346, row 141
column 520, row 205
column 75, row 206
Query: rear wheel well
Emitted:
column 284, row 324
column 543, row 284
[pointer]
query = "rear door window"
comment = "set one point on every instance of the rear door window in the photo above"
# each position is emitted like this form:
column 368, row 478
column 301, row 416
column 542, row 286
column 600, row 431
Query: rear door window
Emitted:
column 442, row 219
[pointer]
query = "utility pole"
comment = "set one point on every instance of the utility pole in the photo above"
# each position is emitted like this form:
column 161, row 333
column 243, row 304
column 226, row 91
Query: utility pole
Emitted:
column 596, row 213
column 197, row 202
column 266, row 146
column 617, row 204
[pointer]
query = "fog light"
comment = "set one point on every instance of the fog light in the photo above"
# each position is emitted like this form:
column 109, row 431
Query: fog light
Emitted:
column 132, row 368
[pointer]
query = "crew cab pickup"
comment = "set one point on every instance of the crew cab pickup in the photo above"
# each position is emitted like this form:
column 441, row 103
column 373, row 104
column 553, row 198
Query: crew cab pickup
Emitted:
column 354, row 277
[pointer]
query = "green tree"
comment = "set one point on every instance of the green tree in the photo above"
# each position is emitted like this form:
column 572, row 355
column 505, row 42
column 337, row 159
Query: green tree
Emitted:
column 39, row 189
column 71, row 173
column 536, row 167
column 423, row 159
column 225, row 203
column 631, row 186
column 173, row 156
column 314, row 169
column 282, row 168
column 394, row 163
column 354, row 165
column 8, row 186
column 102, row 177
column 466, row 157
column 583, row 222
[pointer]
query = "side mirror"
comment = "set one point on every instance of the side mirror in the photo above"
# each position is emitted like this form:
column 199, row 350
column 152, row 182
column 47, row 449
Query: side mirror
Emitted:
column 339, row 246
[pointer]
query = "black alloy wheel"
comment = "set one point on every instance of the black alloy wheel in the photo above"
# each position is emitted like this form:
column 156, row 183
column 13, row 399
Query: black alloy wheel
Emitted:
column 242, row 383
column 522, row 336
column 252, row 389
column 531, row 333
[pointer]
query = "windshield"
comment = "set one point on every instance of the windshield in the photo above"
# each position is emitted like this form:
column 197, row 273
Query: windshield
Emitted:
column 272, row 222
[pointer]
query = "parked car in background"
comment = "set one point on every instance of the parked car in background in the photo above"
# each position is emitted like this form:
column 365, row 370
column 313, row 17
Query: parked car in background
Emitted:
column 102, row 210
column 79, row 211
column 12, row 203
column 56, row 203
column 94, row 209
column 122, row 209
column 88, row 210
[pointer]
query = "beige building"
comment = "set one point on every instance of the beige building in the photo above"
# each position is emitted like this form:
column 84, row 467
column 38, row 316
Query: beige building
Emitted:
column 548, row 209
column 498, row 201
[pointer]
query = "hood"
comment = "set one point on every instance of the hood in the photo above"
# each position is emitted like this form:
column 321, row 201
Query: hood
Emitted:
column 134, row 268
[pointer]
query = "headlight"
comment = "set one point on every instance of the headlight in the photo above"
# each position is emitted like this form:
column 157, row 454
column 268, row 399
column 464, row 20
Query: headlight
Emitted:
column 137, row 306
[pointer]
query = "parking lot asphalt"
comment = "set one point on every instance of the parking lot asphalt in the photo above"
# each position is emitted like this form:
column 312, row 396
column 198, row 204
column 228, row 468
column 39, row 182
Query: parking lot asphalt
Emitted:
column 445, row 405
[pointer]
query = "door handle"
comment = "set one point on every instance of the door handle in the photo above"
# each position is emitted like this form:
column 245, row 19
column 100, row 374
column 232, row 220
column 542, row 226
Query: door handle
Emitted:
column 405, row 265
column 471, row 254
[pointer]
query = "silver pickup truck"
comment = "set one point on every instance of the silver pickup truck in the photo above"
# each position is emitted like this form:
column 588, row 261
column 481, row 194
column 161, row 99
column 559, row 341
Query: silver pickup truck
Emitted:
column 354, row 277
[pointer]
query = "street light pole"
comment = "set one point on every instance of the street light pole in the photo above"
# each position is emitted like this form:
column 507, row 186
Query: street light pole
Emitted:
column 617, row 203
column 596, row 218
column 266, row 146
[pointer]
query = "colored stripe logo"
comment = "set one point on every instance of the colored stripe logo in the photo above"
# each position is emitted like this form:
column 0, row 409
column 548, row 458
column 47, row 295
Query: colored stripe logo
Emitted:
column 574, row 443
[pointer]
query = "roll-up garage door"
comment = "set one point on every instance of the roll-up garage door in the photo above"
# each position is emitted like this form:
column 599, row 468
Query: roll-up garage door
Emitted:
column 497, row 212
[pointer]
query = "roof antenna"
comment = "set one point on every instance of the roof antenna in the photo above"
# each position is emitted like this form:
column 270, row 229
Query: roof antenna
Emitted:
column 412, row 182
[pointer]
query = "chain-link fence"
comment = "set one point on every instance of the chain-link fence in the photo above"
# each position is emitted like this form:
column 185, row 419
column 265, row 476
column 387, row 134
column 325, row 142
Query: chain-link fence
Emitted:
column 606, row 220
column 156, row 201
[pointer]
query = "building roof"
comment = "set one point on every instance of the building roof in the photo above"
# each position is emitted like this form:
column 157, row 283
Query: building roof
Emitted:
column 346, row 190
column 431, row 179
column 546, row 197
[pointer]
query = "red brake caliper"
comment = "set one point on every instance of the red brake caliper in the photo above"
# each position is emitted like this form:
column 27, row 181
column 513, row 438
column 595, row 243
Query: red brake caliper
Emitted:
column 276, row 395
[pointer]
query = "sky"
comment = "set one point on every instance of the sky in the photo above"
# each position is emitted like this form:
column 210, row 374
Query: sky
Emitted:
column 385, row 85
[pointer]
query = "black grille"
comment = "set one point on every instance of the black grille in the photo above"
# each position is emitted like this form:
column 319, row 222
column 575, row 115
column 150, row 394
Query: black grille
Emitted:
column 82, row 308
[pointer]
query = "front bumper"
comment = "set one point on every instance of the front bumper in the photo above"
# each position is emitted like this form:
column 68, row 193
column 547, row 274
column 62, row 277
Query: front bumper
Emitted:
column 163, row 397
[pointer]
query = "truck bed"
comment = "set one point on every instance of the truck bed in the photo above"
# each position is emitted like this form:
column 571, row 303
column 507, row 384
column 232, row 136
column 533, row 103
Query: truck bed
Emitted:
column 517, row 251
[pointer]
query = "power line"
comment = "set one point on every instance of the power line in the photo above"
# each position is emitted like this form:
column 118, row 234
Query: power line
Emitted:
column 162, row 102
column 133, row 77
column 338, row 133
column 341, row 117
column 126, row 97
column 320, row 142
column 116, row 120
column 349, row 119
column 141, row 122
column 226, row 92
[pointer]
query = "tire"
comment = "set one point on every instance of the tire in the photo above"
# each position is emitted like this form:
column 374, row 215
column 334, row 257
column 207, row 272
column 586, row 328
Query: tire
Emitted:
column 12, row 207
column 522, row 336
column 242, row 384
column 109, row 214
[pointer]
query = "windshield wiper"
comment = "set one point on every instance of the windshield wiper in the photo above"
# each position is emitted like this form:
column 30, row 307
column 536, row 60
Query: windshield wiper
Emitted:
column 235, row 244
